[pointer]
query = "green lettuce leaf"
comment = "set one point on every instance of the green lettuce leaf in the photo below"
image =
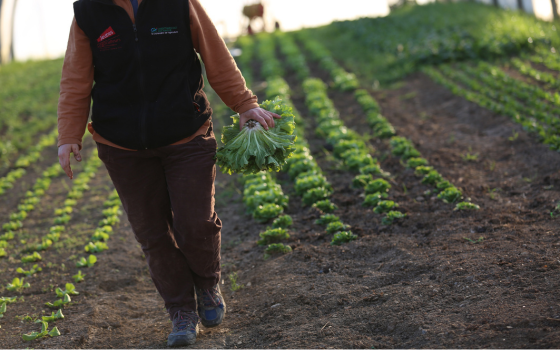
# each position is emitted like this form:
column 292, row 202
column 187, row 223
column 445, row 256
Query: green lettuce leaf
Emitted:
column 254, row 149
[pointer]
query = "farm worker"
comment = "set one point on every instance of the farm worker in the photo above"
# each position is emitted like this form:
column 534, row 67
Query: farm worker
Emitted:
column 152, row 125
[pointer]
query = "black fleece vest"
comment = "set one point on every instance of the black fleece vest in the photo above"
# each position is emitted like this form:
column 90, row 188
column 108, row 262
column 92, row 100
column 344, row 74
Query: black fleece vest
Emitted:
column 148, row 81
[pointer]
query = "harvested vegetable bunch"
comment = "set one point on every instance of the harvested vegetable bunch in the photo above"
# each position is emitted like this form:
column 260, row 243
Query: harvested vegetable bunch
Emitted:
column 254, row 149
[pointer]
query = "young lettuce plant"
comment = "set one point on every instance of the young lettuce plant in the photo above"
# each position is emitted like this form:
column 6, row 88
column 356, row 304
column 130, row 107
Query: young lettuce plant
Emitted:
column 336, row 226
column 283, row 221
column 254, row 149
column 89, row 262
column 17, row 285
column 266, row 212
column 96, row 247
column 2, row 309
column 54, row 316
column 316, row 194
column 54, row 332
column 343, row 237
column 377, row 186
column 362, row 180
column 30, row 272
column 466, row 206
column 276, row 248
column 272, row 235
column 384, row 206
column 70, row 290
column 325, row 206
column 79, row 277
column 373, row 199
column 60, row 302
column 391, row 216
column 327, row 219
column 450, row 195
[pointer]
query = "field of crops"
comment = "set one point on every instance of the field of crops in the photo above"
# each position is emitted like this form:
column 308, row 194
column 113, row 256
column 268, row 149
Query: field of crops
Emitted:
column 420, row 208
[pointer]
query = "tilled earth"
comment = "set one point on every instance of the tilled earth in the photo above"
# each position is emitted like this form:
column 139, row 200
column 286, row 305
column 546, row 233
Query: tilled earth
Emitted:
column 421, row 283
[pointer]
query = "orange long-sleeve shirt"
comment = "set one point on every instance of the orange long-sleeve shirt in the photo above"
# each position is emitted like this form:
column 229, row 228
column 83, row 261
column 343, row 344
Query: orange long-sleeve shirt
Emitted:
column 77, row 76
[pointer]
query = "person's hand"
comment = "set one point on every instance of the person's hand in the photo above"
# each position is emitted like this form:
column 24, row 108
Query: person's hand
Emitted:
column 64, row 157
column 263, row 116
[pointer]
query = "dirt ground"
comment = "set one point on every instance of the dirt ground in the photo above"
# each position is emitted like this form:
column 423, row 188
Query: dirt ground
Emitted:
column 417, row 284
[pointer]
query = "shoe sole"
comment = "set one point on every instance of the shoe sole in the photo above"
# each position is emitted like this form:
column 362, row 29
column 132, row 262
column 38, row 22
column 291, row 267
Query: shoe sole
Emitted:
column 180, row 342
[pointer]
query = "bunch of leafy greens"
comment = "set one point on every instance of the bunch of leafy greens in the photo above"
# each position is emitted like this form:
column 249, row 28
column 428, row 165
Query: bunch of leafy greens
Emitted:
column 255, row 149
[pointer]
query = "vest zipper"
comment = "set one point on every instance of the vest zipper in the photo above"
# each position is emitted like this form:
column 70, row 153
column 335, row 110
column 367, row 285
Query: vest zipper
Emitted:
column 142, row 89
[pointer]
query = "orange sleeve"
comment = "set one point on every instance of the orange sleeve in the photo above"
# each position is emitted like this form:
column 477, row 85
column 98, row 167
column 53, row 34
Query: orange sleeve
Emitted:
column 221, row 70
column 75, row 88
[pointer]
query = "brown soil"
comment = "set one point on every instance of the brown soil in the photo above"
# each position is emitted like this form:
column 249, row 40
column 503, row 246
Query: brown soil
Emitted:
column 416, row 284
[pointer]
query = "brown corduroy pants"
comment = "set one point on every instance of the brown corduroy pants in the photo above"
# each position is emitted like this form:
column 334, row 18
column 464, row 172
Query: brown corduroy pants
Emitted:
column 168, row 195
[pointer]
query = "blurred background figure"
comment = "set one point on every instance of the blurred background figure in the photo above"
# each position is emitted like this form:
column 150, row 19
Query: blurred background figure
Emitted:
column 252, row 13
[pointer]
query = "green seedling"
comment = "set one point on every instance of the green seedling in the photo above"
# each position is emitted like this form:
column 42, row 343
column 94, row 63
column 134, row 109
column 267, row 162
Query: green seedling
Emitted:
column 8, row 300
column 62, row 211
column 316, row 194
column 263, row 213
column 377, row 186
column 53, row 236
column 62, row 220
column 19, row 216
column 283, row 221
column 54, row 332
column 327, row 219
column 480, row 239
column 325, row 206
column 423, row 170
column 470, row 157
column 2, row 309
column 391, row 216
column 385, row 206
column 89, row 262
column 343, row 237
column 450, row 195
column 276, row 248
column 374, row 169
column 2, row 252
column 12, row 226
column 30, row 272
column 53, row 317
column 113, row 211
column 514, row 136
column 17, row 285
column 35, row 335
column 272, row 235
column 99, row 236
column 361, row 181
column 492, row 193
column 432, row 178
column 110, row 221
column 79, row 277
column 336, row 226
column 60, row 302
column 466, row 206
column 416, row 162
column 234, row 285
column 556, row 211
column 70, row 290
column 3, row 244
column 7, row 236
column 96, row 247
column 442, row 185
column 31, row 258
column 70, row 203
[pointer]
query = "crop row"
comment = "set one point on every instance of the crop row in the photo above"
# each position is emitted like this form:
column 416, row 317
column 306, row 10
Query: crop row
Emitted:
column 503, row 104
column 32, row 155
column 62, row 215
column 347, row 145
column 29, row 94
column 382, row 128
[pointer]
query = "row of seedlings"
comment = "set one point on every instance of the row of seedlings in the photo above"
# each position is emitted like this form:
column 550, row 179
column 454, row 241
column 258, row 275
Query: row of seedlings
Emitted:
column 24, row 161
column 26, row 205
column 62, row 217
column 98, row 242
column 262, row 196
column 347, row 145
column 310, row 182
column 111, row 214
column 526, row 69
column 400, row 146
column 411, row 157
column 547, row 58
column 497, row 102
